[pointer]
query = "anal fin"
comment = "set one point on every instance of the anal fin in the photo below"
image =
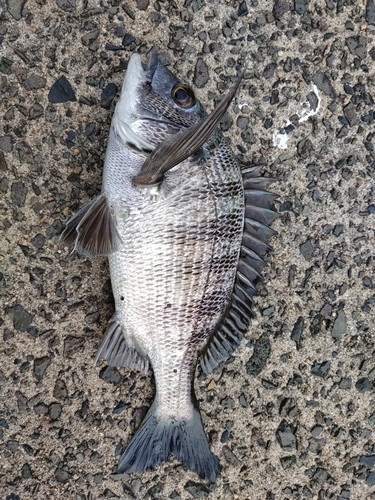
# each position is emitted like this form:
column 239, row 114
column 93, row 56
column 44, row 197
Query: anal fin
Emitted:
column 92, row 231
column 117, row 352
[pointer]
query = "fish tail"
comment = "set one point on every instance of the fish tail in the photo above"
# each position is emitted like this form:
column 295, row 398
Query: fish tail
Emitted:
column 158, row 438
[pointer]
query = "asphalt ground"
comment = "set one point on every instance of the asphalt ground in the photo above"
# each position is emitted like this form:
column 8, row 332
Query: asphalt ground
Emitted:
column 292, row 415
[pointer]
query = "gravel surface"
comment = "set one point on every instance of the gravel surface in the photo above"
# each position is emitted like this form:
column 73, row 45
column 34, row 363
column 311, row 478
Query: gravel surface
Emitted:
column 293, row 415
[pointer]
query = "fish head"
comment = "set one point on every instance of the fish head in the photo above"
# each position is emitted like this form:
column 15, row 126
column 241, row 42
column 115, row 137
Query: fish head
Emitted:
column 153, row 105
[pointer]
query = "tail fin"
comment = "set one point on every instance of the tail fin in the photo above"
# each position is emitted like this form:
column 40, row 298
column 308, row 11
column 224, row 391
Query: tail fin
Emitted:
column 157, row 439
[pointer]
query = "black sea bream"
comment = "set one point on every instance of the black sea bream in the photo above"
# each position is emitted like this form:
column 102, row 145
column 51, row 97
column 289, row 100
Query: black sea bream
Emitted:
column 184, row 253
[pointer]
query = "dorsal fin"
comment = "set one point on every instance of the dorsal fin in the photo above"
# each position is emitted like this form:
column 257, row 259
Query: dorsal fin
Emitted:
column 259, row 213
column 92, row 230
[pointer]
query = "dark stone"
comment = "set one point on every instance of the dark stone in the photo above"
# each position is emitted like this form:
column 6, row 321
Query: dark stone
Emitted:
column 316, row 430
column 268, row 122
column 197, row 5
column 5, row 65
column 92, row 80
column 127, row 40
column 12, row 445
column 36, row 111
column 338, row 230
column 306, row 492
column 230, row 457
column 307, row 250
column 285, row 436
column 15, row 8
column 7, row 334
column 300, row 6
column 21, row 401
column 269, row 70
column 243, row 400
column 313, row 100
column 370, row 12
column 90, row 37
column 92, row 318
column 345, row 383
column 343, row 132
column 41, row 409
column 317, row 445
column 242, row 9
column 143, row 4
column 350, row 114
column 6, row 143
column 25, row 152
column 35, row 82
column 55, row 410
column 108, row 94
column 305, row 148
column 324, row 84
column 18, row 193
column 196, row 490
column 288, row 461
column 227, row 402
column 364, row 385
column 38, row 240
column 357, row 46
column 3, row 163
column 274, row 96
column 120, row 407
column 177, row 32
column 368, row 460
column 60, row 391
column 110, row 374
column 248, row 136
column 320, row 476
column 201, row 74
column 4, row 424
column 339, row 326
column 66, row 5
column 73, row 344
column 242, row 122
column 26, row 471
column 55, row 229
column 61, row 91
column 297, row 330
column 61, row 475
column 370, row 479
column 279, row 8
column 40, row 366
column 225, row 122
column 262, row 351
column 321, row 369
column 21, row 318
column 326, row 310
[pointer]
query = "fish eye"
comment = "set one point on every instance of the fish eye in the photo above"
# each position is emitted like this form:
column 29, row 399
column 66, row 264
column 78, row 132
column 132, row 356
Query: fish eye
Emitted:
column 183, row 95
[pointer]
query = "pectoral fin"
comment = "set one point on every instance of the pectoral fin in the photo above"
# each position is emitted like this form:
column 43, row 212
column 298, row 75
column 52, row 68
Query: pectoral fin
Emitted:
column 92, row 231
column 176, row 148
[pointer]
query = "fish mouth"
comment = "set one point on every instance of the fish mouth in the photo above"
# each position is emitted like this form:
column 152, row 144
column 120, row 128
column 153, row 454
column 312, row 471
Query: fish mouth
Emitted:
column 152, row 63
column 135, row 75
column 127, row 108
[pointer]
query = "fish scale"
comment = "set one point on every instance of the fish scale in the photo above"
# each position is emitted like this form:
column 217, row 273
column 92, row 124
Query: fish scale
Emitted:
column 184, row 244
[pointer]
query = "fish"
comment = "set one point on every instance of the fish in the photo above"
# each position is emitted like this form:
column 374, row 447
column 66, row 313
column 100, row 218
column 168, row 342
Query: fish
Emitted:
column 185, row 228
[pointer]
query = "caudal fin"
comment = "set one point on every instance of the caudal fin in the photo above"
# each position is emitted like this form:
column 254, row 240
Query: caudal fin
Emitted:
column 157, row 439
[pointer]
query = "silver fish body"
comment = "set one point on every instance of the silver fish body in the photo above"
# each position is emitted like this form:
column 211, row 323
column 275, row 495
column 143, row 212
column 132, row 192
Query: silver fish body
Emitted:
column 182, row 273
